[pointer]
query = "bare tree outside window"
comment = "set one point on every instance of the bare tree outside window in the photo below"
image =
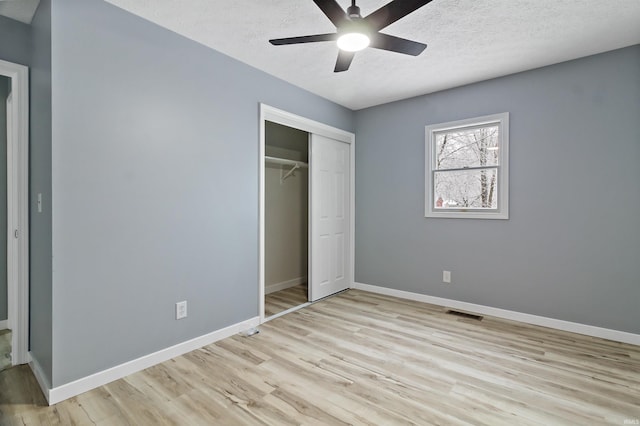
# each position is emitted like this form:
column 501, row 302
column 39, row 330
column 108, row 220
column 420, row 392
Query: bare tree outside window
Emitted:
column 466, row 162
column 468, row 149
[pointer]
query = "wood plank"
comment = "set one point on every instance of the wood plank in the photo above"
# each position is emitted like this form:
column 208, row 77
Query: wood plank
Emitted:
column 280, row 301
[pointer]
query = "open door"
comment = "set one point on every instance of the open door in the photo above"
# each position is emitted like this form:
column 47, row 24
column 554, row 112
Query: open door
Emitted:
column 330, row 217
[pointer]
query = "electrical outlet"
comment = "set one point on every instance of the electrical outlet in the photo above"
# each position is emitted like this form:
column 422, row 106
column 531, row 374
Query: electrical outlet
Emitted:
column 446, row 276
column 181, row 310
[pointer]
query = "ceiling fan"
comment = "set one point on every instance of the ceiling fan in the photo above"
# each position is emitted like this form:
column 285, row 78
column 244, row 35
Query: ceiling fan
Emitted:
column 355, row 33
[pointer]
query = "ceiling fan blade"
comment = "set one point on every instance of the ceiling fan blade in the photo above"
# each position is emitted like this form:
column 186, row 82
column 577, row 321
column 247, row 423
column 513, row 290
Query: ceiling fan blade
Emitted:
column 333, row 11
column 344, row 61
column 397, row 44
column 303, row 39
column 391, row 12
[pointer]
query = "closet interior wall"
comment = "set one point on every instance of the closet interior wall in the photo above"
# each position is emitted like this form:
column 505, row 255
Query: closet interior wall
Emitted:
column 286, row 209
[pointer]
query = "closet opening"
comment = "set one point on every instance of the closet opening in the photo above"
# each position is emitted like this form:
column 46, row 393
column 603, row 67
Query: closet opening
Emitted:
column 286, row 219
column 306, row 204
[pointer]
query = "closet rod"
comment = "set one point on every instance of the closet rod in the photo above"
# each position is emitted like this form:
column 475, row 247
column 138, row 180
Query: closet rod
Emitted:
column 276, row 160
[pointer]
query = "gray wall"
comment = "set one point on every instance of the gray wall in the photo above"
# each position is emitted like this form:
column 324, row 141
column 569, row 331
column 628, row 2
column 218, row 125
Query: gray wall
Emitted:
column 155, row 185
column 15, row 41
column 31, row 46
column 570, row 249
column 4, row 91
column 41, row 310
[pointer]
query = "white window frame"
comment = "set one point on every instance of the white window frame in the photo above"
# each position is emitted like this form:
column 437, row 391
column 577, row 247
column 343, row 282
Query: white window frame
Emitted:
column 502, row 211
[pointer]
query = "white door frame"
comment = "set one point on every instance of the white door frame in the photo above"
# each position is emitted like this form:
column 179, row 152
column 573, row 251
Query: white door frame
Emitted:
column 18, row 210
column 269, row 113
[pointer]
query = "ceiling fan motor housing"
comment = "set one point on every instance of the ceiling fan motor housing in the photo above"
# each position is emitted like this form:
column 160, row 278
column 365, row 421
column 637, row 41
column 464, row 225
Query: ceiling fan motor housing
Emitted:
column 355, row 25
column 354, row 12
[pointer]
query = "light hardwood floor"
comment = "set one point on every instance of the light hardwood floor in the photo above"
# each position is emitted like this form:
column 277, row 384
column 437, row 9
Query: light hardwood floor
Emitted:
column 280, row 301
column 361, row 358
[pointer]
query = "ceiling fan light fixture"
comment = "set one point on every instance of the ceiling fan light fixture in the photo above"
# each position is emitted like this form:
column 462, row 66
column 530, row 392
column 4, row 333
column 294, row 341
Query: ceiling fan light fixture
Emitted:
column 355, row 33
column 353, row 41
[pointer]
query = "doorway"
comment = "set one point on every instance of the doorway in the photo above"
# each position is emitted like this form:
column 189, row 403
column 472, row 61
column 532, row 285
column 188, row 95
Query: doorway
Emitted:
column 14, row 96
column 306, row 211
column 5, row 331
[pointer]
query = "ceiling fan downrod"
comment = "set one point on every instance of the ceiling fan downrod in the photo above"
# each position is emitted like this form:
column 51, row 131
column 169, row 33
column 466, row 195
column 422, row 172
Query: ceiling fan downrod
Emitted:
column 354, row 11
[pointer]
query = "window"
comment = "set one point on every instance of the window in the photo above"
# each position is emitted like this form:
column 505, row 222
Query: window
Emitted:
column 467, row 170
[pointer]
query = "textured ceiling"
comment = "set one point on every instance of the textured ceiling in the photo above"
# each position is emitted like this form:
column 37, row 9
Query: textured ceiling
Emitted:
column 20, row 10
column 468, row 40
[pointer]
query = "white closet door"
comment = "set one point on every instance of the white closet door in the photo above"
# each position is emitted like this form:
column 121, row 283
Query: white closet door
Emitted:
column 329, row 212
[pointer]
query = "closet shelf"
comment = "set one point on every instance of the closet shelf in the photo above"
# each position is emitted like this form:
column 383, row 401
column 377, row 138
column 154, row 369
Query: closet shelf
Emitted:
column 285, row 161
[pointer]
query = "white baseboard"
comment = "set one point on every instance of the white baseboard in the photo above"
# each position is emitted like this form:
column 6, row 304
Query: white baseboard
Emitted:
column 60, row 393
column 4, row 325
column 40, row 376
column 589, row 330
column 271, row 288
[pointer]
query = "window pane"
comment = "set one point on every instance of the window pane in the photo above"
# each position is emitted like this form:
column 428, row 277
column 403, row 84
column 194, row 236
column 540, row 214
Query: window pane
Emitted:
column 475, row 147
column 466, row 189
